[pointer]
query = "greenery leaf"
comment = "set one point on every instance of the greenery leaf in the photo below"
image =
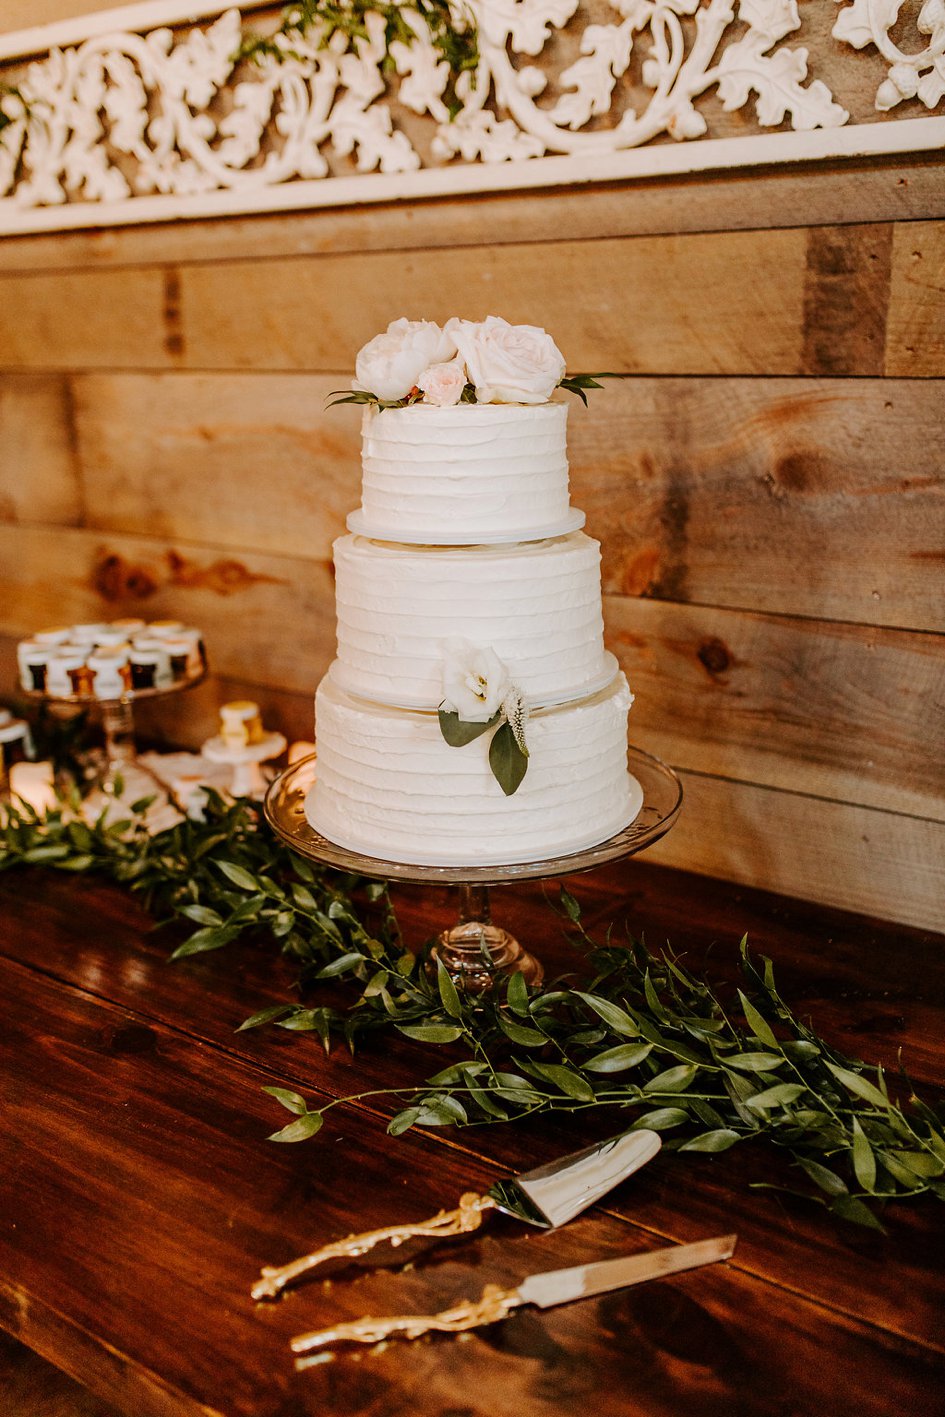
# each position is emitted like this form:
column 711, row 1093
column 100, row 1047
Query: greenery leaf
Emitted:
column 859, row 1086
column 661, row 1119
column 570, row 1083
column 458, row 731
column 719, row 1140
column 290, row 1100
column 617, row 1018
column 403, row 1121
column 672, row 1080
column 516, row 994
column 519, row 1033
column 448, row 995
column 431, row 1032
column 506, row 759
column 753, row 1062
column 239, row 876
column 619, row 1059
column 301, row 1129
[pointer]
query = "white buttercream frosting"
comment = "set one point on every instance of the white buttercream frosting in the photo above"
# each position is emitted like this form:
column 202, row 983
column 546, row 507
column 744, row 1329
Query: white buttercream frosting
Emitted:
column 473, row 469
column 389, row 786
column 536, row 604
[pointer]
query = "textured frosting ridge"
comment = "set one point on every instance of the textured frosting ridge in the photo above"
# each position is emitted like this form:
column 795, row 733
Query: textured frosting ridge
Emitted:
column 537, row 604
column 473, row 468
column 389, row 786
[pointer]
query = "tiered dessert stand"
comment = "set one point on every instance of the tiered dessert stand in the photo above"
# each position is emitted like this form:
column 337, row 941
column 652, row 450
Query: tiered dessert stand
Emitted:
column 475, row 951
column 118, row 723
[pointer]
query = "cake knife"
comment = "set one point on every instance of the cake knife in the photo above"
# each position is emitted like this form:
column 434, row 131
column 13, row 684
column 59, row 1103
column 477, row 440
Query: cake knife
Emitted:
column 547, row 1197
column 557, row 1286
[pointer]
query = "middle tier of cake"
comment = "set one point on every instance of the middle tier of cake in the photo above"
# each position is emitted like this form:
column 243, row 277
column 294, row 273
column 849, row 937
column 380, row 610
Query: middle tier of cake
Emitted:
column 536, row 604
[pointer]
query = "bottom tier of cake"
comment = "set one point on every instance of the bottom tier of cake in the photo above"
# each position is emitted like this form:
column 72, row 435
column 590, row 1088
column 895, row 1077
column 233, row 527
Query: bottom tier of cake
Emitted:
column 388, row 786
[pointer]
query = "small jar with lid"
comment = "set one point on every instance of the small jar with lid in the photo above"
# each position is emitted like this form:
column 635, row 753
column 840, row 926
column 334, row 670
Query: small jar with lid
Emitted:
column 33, row 659
column 150, row 665
column 109, row 665
column 16, row 743
column 240, row 723
column 63, row 664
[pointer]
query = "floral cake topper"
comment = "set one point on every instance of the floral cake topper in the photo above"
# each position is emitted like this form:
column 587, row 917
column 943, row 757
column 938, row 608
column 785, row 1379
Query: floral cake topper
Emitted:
column 418, row 361
column 479, row 695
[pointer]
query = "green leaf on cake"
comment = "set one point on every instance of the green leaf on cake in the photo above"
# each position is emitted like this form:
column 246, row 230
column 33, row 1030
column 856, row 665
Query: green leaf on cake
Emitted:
column 458, row 732
column 578, row 383
column 506, row 759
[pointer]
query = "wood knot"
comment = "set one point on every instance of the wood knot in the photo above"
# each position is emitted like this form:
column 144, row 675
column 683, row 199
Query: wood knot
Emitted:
column 117, row 579
column 715, row 656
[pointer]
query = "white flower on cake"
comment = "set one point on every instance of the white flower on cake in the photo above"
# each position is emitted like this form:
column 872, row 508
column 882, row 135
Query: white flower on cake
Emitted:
column 475, row 681
column 390, row 365
column 479, row 695
column 443, row 384
column 508, row 363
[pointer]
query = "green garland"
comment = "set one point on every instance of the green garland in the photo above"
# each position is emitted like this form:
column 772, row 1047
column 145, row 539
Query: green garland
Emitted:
column 641, row 1033
column 452, row 32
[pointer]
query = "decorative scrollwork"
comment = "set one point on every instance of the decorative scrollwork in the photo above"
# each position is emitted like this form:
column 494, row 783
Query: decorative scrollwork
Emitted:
column 125, row 115
column 920, row 74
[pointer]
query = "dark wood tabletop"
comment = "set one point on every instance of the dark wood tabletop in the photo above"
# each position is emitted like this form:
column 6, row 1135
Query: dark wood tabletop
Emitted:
column 139, row 1195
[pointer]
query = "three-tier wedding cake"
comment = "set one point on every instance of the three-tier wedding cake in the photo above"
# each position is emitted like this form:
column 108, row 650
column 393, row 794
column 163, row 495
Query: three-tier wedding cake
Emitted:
column 472, row 715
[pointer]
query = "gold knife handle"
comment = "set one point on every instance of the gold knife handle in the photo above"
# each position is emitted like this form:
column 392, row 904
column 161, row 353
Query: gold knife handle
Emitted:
column 461, row 1221
column 493, row 1304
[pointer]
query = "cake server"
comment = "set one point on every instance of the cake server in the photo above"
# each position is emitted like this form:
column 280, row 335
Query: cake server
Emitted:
column 547, row 1197
column 557, row 1286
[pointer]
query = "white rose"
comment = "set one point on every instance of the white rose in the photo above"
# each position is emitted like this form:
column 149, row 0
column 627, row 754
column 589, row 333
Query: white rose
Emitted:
column 508, row 363
column 443, row 384
column 475, row 681
column 390, row 364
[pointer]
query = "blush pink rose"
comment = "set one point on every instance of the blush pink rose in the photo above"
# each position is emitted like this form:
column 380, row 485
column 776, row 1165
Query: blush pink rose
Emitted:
column 443, row 384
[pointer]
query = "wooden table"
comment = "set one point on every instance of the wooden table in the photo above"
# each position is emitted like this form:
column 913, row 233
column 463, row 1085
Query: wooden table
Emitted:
column 139, row 1195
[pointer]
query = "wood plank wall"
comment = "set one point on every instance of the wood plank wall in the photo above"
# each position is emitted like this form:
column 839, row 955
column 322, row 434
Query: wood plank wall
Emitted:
column 765, row 476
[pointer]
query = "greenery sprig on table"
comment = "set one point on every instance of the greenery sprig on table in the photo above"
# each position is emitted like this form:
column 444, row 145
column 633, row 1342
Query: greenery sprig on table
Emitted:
column 639, row 1033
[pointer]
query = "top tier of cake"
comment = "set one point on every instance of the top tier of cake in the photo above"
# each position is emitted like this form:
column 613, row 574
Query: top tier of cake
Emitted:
column 465, row 474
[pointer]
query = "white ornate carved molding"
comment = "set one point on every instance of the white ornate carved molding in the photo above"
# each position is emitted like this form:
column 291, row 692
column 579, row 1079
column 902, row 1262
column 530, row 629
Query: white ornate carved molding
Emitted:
column 120, row 117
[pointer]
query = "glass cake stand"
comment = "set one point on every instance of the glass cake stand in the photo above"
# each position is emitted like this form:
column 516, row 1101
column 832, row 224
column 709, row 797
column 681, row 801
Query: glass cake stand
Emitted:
column 118, row 722
column 474, row 951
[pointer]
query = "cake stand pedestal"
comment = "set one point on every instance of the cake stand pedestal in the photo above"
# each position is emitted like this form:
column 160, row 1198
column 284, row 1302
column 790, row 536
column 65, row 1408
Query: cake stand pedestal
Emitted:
column 475, row 952
column 118, row 723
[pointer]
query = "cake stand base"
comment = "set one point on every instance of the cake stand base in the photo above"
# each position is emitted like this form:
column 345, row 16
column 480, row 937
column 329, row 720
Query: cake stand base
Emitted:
column 475, row 952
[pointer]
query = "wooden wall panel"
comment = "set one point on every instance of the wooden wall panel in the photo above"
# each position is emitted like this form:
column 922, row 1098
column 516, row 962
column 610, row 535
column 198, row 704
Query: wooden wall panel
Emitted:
column 250, row 461
column 823, row 498
column 39, row 479
column 874, row 862
column 725, row 303
column 916, row 337
column 94, row 319
column 842, row 711
column 793, row 496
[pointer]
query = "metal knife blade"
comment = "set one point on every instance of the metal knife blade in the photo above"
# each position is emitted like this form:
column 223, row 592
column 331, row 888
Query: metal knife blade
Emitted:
column 553, row 1194
column 562, row 1286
